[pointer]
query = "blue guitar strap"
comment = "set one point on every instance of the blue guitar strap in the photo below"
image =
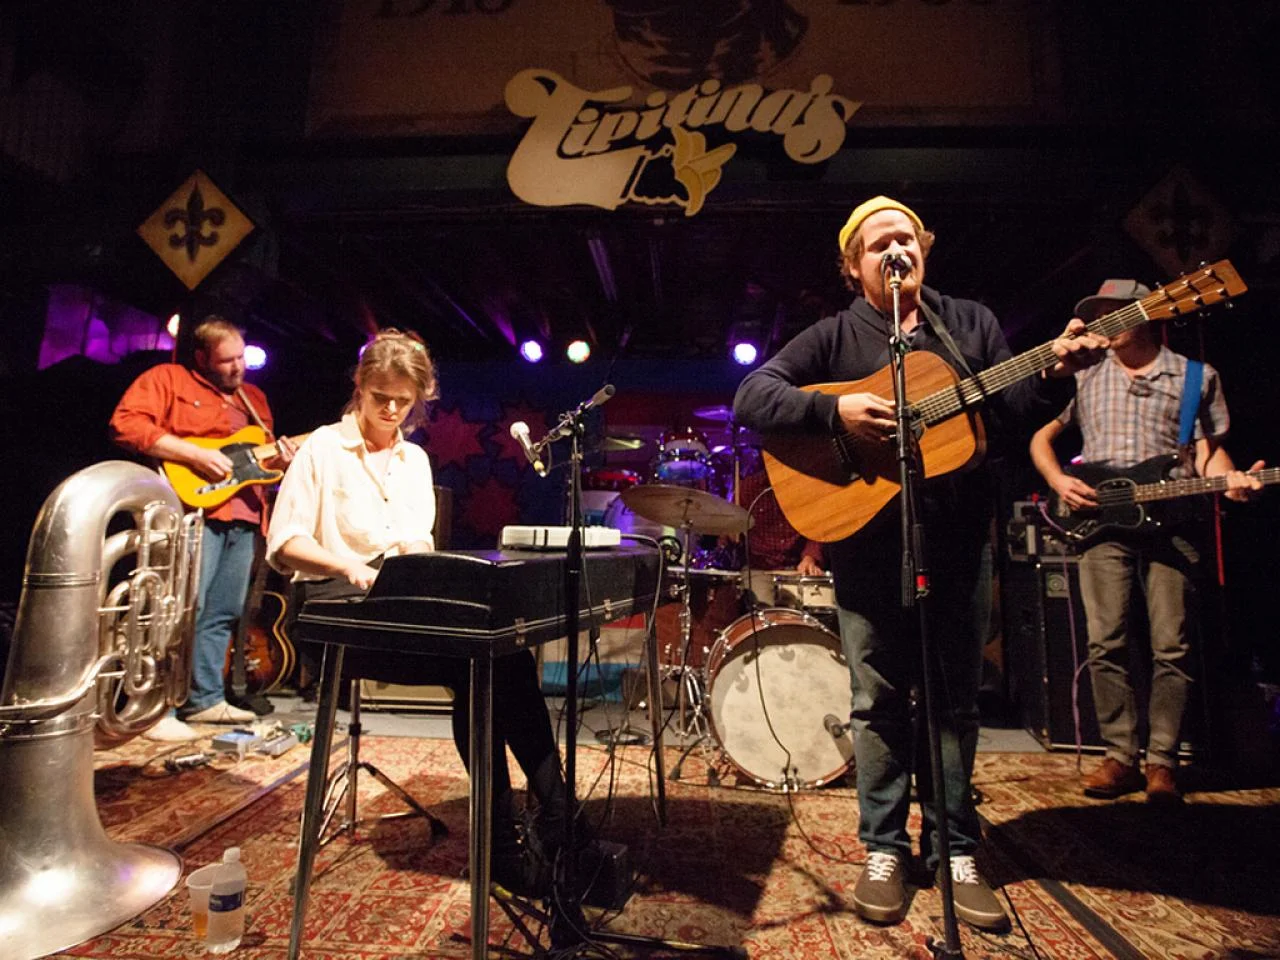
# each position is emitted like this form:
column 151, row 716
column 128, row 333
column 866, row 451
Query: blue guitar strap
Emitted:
column 1190, row 402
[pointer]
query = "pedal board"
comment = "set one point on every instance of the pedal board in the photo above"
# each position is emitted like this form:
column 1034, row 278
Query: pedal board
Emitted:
column 606, row 869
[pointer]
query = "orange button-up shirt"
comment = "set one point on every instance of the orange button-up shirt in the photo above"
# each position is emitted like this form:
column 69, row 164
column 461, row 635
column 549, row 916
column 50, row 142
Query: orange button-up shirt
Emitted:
column 170, row 398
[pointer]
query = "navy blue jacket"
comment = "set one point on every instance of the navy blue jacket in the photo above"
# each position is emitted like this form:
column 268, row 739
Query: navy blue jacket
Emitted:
column 852, row 345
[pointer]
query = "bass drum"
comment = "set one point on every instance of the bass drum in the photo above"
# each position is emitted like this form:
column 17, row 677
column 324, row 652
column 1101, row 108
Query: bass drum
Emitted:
column 600, row 487
column 777, row 683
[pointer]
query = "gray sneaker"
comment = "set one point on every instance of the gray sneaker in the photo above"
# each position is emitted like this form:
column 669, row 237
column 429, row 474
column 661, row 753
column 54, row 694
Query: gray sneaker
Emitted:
column 879, row 895
column 975, row 903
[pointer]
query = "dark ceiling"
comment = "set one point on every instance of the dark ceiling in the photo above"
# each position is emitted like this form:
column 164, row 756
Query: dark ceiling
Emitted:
column 425, row 235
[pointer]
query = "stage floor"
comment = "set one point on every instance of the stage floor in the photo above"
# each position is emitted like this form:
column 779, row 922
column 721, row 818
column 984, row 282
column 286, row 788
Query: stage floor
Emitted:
column 735, row 865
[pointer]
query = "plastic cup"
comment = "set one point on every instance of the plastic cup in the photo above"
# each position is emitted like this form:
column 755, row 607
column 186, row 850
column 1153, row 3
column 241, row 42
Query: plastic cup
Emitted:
column 199, row 883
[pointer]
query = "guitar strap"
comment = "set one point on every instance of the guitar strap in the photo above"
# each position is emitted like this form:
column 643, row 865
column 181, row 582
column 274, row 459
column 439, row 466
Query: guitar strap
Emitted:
column 1190, row 402
column 944, row 335
column 253, row 414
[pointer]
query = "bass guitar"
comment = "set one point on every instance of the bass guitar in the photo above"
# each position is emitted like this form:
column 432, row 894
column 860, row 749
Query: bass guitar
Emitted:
column 247, row 449
column 1122, row 495
column 829, row 487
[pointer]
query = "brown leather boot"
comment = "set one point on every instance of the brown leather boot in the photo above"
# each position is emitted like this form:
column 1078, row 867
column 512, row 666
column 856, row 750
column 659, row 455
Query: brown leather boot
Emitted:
column 1113, row 779
column 1162, row 786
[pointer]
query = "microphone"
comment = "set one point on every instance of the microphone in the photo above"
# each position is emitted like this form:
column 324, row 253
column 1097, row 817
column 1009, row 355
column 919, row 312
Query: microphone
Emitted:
column 520, row 431
column 831, row 723
column 565, row 426
column 600, row 396
column 896, row 262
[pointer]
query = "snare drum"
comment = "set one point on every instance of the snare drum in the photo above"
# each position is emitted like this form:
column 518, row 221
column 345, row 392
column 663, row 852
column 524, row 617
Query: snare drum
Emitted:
column 786, row 588
column 715, row 599
column 683, row 459
column 778, row 686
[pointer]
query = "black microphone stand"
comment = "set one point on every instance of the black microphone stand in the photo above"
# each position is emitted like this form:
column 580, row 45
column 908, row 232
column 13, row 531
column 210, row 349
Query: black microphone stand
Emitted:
column 565, row 914
column 915, row 592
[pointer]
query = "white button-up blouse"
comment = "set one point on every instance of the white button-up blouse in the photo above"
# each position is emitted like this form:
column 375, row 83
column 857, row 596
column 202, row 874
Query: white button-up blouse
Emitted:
column 335, row 494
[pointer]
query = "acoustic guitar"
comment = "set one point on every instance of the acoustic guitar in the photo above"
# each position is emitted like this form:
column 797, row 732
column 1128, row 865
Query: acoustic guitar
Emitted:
column 1122, row 495
column 829, row 487
column 247, row 449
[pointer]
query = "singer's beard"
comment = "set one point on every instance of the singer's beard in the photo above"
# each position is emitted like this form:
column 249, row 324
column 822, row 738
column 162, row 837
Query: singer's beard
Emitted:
column 881, row 295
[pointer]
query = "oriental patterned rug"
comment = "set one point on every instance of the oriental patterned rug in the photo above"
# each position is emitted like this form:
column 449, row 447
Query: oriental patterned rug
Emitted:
column 733, row 866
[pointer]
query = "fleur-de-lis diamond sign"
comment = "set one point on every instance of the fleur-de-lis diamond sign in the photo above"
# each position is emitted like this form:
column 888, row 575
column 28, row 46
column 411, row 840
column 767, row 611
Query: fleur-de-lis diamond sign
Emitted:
column 195, row 229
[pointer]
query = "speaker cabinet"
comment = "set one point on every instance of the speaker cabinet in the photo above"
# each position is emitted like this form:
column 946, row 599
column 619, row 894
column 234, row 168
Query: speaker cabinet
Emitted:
column 1047, row 648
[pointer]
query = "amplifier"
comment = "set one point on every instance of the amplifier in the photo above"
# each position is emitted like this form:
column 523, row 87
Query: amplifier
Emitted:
column 405, row 698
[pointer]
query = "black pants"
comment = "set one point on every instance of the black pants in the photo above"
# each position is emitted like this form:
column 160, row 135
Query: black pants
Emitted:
column 520, row 718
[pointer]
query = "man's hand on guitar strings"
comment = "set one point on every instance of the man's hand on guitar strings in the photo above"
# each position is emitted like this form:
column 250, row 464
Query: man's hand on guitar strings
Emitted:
column 867, row 416
column 1074, row 492
column 209, row 463
column 1077, row 349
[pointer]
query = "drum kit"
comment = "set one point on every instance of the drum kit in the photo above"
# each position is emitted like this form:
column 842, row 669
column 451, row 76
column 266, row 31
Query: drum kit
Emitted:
column 763, row 681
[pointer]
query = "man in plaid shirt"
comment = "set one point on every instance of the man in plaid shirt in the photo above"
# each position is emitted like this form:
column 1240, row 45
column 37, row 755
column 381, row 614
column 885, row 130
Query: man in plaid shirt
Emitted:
column 1128, row 409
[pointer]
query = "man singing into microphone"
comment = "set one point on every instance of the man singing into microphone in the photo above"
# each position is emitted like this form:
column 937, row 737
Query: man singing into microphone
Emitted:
column 882, row 241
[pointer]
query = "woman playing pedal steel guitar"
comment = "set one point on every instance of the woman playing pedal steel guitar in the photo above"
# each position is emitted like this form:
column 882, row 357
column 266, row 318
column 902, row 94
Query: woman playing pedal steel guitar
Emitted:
column 357, row 492
column 878, row 636
column 1130, row 410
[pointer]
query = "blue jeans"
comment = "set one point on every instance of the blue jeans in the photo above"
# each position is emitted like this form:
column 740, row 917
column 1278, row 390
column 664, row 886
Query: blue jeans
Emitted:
column 881, row 643
column 225, row 567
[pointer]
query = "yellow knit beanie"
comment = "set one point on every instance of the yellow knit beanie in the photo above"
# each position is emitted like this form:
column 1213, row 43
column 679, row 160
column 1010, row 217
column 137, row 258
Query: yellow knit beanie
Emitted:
column 866, row 209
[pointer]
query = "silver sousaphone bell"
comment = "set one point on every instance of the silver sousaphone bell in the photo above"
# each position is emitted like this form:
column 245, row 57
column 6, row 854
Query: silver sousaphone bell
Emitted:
column 89, row 660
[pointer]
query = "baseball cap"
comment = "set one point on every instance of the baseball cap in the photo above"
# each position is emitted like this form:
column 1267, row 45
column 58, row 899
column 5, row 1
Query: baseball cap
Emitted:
column 1123, row 291
column 866, row 209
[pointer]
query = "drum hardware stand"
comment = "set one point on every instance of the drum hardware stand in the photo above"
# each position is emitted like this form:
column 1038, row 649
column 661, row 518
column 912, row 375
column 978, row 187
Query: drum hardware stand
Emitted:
column 689, row 690
column 343, row 783
column 915, row 591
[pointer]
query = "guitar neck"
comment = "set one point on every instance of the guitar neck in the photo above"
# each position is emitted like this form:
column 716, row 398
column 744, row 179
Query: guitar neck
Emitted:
column 947, row 403
column 1182, row 297
column 1167, row 490
column 268, row 450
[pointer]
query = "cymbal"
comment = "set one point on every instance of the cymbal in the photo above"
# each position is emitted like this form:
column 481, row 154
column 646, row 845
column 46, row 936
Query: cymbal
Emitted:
column 674, row 506
column 620, row 444
column 721, row 413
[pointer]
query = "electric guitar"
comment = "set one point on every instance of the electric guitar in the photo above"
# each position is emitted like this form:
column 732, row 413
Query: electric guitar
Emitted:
column 1122, row 493
column 247, row 449
column 829, row 487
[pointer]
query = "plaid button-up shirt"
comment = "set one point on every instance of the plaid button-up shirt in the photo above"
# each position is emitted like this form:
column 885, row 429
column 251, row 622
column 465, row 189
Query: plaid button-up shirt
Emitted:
column 1125, row 419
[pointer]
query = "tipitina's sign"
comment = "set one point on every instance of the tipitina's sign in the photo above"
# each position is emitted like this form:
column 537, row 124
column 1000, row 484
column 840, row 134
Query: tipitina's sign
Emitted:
column 578, row 150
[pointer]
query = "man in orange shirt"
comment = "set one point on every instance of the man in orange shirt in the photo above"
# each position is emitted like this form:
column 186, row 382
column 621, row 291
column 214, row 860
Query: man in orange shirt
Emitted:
column 160, row 409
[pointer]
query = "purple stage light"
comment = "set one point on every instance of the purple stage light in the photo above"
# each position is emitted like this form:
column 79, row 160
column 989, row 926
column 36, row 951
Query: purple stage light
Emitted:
column 745, row 353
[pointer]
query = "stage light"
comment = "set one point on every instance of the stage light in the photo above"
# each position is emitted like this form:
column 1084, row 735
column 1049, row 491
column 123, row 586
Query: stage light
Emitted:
column 172, row 326
column 578, row 351
column 255, row 358
column 531, row 350
column 745, row 353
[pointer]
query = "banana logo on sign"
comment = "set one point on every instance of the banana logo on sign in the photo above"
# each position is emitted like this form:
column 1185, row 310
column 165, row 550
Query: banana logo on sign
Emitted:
column 578, row 151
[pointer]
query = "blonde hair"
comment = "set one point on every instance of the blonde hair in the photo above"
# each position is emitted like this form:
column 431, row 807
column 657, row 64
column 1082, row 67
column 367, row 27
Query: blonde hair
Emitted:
column 395, row 354
column 212, row 330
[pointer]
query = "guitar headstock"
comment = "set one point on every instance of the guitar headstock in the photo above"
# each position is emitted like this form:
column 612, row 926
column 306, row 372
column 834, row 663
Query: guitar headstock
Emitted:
column 1186, row 295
